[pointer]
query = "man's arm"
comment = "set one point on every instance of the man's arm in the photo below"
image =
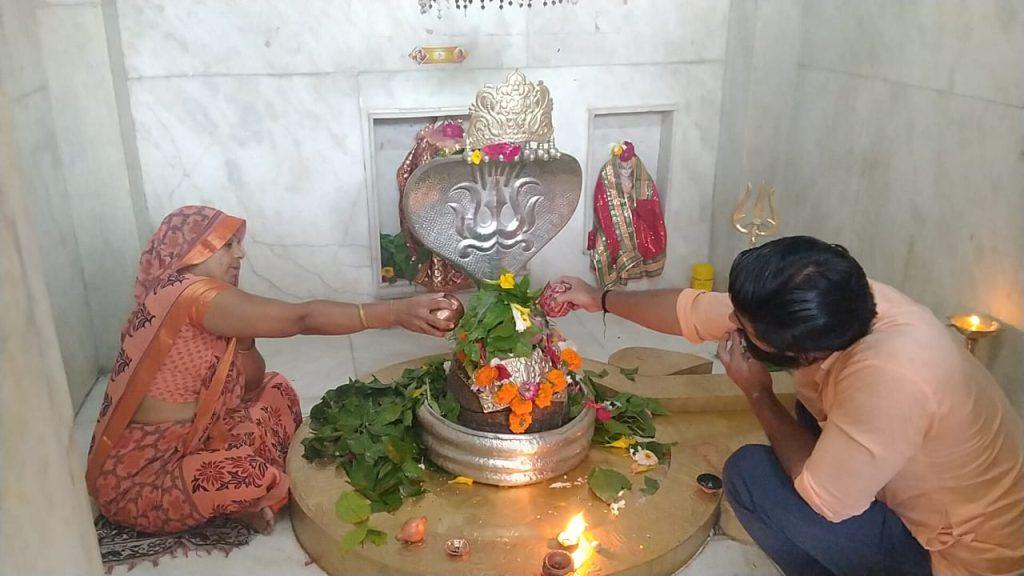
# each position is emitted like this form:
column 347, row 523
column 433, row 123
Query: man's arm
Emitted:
column 653, row 309
column 791, row 442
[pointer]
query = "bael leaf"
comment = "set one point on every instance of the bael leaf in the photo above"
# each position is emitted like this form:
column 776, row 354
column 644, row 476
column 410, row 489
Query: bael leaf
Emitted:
column 606, row 484
column 650, row 486
column 352, row 507
column 354, row 537
column 376, row 537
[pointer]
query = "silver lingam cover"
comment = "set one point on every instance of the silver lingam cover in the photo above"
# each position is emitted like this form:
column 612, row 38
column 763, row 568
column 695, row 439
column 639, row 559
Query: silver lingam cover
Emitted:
column 495, row 208
column 489, row 217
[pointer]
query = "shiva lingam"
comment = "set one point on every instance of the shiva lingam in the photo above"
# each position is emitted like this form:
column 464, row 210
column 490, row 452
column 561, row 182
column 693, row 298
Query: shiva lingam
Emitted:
column 488, row 213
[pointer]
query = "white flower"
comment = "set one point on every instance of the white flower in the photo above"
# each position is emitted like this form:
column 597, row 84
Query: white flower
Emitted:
column 617, row 506
column 447, row 365
column 567, row 344
column 645, row 458
column 521, row 315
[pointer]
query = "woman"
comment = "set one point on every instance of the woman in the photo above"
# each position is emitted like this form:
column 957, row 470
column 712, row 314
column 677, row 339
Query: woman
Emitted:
column 191, row 427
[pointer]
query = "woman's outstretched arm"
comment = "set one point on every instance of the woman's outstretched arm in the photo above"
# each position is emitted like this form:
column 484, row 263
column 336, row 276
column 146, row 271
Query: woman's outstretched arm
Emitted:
column 237, row 314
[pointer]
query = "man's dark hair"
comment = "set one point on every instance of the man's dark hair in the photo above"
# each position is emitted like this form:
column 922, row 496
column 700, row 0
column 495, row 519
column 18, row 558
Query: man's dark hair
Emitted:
column 802, row 295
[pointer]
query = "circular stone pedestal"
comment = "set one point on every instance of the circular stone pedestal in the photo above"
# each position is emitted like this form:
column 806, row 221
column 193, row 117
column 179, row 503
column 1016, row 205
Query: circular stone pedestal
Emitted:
column 511, row 529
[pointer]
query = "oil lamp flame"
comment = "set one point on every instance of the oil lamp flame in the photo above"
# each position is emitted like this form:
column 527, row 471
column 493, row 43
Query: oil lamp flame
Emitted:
column 573, row 531
column 584, row 550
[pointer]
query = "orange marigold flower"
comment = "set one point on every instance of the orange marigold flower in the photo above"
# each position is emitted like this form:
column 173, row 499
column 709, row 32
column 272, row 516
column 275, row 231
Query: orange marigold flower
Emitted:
column 521, row 405
column 518, row 423
column 460, row 356
column 544, row 394
column 557, row 380
column 485, row 375
column 572, row 359
column 506, row 394
column 463, row 336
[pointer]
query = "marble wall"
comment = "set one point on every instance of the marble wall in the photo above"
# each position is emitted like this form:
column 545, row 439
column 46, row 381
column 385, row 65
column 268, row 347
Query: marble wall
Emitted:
column 44, row 512
column 904, row 140
column 43, row 177
column 261, row 108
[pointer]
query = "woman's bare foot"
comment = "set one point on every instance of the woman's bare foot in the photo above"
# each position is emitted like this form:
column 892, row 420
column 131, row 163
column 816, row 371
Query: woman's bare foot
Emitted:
column 261, row 520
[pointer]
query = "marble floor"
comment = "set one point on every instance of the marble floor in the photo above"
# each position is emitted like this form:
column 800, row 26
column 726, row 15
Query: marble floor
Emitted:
column 316, row 363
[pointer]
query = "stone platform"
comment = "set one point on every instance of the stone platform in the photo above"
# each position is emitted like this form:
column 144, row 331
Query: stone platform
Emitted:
column 510, row 529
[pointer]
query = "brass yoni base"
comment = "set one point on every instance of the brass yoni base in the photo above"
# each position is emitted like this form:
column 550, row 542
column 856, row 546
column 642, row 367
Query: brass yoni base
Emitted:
column 511, row 529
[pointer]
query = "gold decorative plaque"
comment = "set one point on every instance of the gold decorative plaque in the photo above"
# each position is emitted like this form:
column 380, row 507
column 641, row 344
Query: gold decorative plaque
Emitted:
column 438, row 54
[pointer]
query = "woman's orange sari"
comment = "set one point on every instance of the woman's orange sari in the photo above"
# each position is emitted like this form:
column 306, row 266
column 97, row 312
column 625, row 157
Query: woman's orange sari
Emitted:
column 230, row 457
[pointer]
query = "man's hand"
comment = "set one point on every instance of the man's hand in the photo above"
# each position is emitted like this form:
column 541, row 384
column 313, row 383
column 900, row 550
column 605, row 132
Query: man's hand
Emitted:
column 750, row 375
column 581, row 294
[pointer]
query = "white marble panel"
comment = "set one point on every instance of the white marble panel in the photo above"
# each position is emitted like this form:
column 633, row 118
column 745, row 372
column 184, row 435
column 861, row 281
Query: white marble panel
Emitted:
column 970, row 47
column 193, row 37
column 42, row 176
column 21, row 66
column 923, row 187
column 73, row 41
column 693, row 89
column 283, row 152
column 603, row 32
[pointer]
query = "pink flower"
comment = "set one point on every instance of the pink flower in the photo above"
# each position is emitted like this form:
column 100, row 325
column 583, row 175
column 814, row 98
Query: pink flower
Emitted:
column 503, row 373
column 603, row 413
column 452, row 130
column 502, row 151
column 528, row 390
column 628, row 153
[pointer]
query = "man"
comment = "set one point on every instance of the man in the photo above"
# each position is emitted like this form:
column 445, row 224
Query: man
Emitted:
column 912, row 462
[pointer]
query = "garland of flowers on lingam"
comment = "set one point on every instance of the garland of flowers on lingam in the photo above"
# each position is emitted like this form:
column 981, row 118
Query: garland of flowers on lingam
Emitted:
column 502, row 322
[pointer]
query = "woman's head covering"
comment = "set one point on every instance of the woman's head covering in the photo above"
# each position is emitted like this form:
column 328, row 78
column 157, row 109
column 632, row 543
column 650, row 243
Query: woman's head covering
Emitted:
column 187, row 236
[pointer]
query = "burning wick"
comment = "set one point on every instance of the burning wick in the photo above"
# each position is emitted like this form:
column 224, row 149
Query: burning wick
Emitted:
column 573, row 537
column 570, row 537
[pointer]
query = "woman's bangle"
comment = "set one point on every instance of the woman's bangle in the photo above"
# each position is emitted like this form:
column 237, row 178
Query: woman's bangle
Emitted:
column 362, row 316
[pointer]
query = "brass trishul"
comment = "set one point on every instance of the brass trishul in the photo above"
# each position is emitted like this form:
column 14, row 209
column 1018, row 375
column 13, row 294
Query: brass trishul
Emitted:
column 758, row 224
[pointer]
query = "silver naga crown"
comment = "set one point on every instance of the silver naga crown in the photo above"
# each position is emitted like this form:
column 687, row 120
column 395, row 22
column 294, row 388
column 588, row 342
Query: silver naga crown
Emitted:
column 485, row 216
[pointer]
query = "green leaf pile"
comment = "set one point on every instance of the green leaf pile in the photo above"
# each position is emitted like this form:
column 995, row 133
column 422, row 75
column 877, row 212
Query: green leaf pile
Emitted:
column 489, row 327
column 632, row 415
column 367, row 429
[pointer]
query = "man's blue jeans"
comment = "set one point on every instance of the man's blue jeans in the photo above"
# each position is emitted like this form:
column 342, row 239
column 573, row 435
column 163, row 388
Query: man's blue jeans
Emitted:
column 800, row 540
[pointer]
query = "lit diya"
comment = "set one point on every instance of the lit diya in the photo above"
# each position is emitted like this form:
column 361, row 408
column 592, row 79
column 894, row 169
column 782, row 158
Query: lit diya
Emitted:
column 573, row 536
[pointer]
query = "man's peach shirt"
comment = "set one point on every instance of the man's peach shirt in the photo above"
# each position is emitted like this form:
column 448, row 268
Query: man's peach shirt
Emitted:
column 909, row 417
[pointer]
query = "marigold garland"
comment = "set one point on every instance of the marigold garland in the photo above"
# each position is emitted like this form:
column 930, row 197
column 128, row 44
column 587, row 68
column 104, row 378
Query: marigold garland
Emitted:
column 572, row 359
column 518, row 423
column 520, row 405
column 485, row 376
column 557, row 380
column 544, row 394
column 506, row 394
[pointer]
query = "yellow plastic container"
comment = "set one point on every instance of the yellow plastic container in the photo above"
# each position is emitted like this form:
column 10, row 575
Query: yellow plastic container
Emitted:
column 702, row 277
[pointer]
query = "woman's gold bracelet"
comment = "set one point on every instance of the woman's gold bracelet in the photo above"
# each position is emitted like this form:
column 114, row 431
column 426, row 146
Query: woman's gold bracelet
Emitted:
column 362, row 317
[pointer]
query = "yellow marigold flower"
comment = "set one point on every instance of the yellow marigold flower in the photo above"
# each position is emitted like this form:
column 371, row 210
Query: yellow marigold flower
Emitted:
column 572, row 359
column 518, row 423
column 507, row 281
column 485, row 375
column 461, row 480
column 387, row 272
column 544, row 394
column 520, row 405
column 476, row 156
column 557, row 380
column 622, row 442
column 616, row 150
column 506, row 394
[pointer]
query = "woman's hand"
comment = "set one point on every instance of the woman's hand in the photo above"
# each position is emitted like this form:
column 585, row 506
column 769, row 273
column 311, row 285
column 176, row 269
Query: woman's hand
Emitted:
column 581, row 295
column 749, row 375
column 416, row 314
